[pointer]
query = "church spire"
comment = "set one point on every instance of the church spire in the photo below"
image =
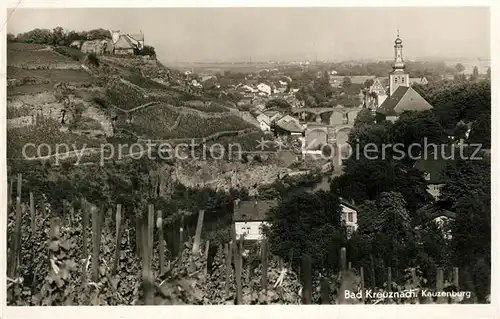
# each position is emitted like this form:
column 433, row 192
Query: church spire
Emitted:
column 398, row 53
column 398, row 77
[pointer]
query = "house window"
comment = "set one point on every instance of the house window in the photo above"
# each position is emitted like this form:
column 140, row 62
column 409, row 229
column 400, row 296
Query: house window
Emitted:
column 350, row 217
column 395, row 80
column 403, row 80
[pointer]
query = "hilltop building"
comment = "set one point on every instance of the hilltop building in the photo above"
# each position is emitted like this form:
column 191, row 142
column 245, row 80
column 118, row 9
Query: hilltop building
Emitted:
column 126, row 44
column 120, row 43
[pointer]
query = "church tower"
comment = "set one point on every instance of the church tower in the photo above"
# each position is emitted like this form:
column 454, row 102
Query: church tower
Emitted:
column 398, row 77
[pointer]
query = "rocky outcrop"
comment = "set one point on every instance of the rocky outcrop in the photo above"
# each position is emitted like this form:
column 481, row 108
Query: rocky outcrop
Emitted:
column 48, row 105
column 97, row 46
column 218, row 175
column 97, row 115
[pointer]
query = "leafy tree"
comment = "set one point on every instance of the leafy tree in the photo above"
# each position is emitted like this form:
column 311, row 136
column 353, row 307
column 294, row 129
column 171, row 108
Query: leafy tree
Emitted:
column 58, row 36
column 468, row 193
column 475, row 74
column 346, row 82
column 299, row 223
column 38, row 36
column 455, row 101
column 93, row 59
column 459, row 67
column 460, row 131
column 460, row 77
column 368, row 83
column 415, row 128
column 148, row 50
column 371, row 169
column 488, row 73
column 11, row 37
column 98, row 34
column 386, row 234
column 365, row 116
column 481, row 131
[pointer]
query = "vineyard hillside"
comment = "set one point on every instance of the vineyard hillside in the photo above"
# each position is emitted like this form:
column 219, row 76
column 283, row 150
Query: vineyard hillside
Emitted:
column 73, row 98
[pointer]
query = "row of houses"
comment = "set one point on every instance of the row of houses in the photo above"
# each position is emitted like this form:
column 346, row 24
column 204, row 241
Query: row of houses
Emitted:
column 338, row 80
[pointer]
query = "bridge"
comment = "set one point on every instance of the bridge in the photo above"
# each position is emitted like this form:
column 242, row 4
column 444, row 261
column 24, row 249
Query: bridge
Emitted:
column 321, row 110
column 339, row 115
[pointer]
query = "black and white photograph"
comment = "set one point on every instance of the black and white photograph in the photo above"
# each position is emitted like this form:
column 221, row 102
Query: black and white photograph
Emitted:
column 247, row 156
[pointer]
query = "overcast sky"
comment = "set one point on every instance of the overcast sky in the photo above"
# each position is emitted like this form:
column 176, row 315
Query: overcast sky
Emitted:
column 236, row 34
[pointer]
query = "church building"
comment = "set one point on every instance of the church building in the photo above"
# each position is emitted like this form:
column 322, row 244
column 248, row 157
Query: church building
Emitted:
column 402, row 97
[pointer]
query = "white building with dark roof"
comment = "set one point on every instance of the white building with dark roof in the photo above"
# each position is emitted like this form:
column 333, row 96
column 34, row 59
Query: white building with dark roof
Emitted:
column 250, row 216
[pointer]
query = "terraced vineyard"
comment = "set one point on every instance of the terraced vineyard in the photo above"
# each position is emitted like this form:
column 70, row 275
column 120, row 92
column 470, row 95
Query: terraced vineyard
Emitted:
column 13, row 112
column 192, row 126
column 125, row 97
column 209, row 107
column 39, row 59
column 49, row 75
column 46, row 132
column 143, row 82
column 153, row 122
column 19, row 46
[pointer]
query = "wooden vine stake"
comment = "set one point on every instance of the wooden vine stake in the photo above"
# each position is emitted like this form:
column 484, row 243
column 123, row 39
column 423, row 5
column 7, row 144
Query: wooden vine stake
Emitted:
column 455, row 278
column 181, row 238
column 238, row 264
column 138, row 234
column 343, row 265
column 197, row 236
column 96, row 243
column 85, row 252
column 389, row 279
column 362, row 275
column 265, row 264
column 9, row 194
column 228, row 249
column 205, row 255
column 325, row 291
column 307, row 280
column 151, row 220
column 343, row 259
column 16, row 244
column 147, row 275
column 32, row 214
column 161, row 241
column 19, row 184
column 118, row 238
column 439, row 284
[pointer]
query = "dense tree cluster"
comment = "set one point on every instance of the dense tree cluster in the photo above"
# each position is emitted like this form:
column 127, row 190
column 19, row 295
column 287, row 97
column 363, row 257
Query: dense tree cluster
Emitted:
column 320, row 93
column 58, row 36
column 454, row 101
